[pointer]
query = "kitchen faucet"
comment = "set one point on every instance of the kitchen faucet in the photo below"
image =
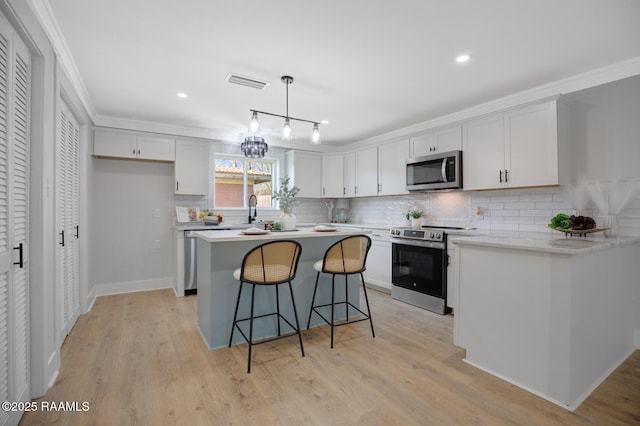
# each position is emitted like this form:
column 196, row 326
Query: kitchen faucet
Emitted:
column 255, row 208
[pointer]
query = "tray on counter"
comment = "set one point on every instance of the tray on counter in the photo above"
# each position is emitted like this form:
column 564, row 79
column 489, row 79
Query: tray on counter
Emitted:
column 579, row 232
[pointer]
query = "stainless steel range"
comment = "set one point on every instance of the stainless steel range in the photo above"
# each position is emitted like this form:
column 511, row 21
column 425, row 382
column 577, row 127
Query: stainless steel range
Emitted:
column 419, row 266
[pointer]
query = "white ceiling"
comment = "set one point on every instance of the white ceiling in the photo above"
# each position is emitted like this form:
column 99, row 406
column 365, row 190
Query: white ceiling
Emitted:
column 367, row 66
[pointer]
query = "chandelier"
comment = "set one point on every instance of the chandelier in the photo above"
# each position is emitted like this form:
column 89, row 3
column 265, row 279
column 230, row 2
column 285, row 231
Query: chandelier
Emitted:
column 286, row 128
column 254, row 147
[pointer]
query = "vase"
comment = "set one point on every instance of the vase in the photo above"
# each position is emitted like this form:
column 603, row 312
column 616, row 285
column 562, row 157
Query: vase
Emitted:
column 416, row 222
column 288, row 221
column 611, row 222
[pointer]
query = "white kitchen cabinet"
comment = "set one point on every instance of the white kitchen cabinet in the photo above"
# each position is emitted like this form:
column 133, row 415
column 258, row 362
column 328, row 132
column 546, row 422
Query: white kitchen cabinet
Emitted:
column 123, row 145
column 305, row 171
column 517, row 148
column 332, row 176
column 349, row 174
column 392, row 165
column 191, row 168
column 378, row 264
column 440, row 140
column 366, row 161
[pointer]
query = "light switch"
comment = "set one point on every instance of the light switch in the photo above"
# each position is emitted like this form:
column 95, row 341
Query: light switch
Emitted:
column 156, row 244
column 156, row 213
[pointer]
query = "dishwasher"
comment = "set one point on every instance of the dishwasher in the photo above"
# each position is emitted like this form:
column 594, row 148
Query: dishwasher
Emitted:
column 190, row 259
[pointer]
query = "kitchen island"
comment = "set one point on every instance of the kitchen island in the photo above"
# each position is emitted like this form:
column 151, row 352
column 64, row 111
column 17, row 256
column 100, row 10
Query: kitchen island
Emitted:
column 221, row 252
column 550, row 314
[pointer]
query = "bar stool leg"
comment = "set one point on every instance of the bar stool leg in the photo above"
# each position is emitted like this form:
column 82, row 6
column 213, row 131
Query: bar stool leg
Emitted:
column 313, row 300
column 253, row 292
column 333, row 288
column 278, row 307
column 295, row 314
column 235, row 315
column 346, row 296
column 366, row 298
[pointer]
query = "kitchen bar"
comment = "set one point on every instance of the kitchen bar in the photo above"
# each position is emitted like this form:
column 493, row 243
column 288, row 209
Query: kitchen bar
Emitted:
column 221, row 252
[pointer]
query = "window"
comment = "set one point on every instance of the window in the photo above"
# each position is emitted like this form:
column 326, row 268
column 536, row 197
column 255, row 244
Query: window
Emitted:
column 235, row 179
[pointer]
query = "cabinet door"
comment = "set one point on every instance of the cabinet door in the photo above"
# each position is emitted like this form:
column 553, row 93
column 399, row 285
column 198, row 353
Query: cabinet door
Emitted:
column 393, row 168
column 332, row 180
column 192, row 168
column 305, row 171
column 448, row 139
column 366, row 172
column 349, row 174
column 154, row 148
column 483, row 153
column 422, row 145
column 531, row 145
column 378, row 265
column 109, row 144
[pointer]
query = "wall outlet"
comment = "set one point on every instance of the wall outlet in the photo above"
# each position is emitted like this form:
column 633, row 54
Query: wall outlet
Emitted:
column 479, row 213
column 156, row 213
column 156, row 244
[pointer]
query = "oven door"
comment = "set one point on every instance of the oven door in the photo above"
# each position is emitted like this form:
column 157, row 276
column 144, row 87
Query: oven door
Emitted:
column 420, row 266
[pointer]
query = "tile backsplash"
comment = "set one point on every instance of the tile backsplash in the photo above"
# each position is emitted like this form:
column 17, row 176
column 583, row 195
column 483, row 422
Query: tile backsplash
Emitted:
column 509, row 210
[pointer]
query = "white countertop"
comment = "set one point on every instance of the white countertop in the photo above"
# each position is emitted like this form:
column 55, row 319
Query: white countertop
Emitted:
column 544, row 241
column 237, row 235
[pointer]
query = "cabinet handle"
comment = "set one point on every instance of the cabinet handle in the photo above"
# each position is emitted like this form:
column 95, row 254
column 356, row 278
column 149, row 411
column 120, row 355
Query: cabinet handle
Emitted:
column 62, row 235
column 344, row 191
column 77, row 231
column 500, row 176
column 138, row 152
column 322, row 191
column 20, row 262
column 134, row 151
column 355, row 189
column 506, row 175
column 379, row 187
column 177, row 186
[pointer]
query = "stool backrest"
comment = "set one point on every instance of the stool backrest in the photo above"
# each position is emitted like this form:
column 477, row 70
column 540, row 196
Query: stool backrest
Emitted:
column 271, row 263
column 347, row 256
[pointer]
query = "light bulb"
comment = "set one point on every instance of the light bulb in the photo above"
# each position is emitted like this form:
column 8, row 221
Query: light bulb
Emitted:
column 254, row 124
column 286, row 130
column 315, row 135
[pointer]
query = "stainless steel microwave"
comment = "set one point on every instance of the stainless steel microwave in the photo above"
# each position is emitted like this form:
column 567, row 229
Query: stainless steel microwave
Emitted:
column 434, row 172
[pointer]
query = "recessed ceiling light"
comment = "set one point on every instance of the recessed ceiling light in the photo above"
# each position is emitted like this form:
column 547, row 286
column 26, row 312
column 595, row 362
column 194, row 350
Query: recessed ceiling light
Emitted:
column 324, row 122
column 182, row 95
column 462, row 58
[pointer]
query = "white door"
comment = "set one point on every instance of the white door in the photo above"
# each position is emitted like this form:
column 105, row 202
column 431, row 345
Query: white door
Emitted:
column 14, row 197
column 367, row 172
column 191, row 168
column 332, row 183
column 67, row 196
column 392, row 171
column 483, row 152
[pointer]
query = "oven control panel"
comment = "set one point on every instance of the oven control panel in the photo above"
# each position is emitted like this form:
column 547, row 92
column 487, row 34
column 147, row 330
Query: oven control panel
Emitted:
column 418, row 234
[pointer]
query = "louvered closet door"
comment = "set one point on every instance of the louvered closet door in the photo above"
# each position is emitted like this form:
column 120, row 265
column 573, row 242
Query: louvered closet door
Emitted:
column 14, row 280
column 68, row 273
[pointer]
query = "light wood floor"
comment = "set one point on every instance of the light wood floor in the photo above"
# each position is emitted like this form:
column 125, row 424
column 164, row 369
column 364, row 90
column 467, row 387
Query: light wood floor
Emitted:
column 138, row 359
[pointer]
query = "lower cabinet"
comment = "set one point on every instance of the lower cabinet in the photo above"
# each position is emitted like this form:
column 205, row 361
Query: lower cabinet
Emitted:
column 378, row 270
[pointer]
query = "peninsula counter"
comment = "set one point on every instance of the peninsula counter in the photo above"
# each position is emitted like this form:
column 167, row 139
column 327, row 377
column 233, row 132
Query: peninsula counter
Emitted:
column 221, row 252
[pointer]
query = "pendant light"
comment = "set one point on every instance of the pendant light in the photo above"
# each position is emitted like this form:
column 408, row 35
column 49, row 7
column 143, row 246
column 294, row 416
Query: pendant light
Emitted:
column 286, row 127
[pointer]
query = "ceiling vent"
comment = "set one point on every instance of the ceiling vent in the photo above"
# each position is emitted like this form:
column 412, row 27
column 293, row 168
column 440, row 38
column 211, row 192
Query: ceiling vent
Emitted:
column 246, row 81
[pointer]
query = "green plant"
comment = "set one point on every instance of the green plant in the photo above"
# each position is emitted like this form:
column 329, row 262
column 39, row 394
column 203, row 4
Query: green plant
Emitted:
column 286, row 196
column 414, row 214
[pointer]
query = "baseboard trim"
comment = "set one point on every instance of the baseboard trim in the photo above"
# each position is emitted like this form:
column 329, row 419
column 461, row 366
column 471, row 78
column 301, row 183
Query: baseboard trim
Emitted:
column 131, row 286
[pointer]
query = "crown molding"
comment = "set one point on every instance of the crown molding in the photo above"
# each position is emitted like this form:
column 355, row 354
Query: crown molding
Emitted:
column 43, row 12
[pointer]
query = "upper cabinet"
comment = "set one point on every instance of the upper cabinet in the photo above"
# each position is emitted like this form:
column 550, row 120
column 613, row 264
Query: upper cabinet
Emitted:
column 349, row 174
column 440, row 140
column 516, row 148
column 392, row 174
column 366, row 172
column 332, row 176
column 305, row 171
column 191, row 168
column 123, row 145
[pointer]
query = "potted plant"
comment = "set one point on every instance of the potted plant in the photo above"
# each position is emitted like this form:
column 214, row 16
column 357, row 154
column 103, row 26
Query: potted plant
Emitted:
column 415, row 216
column 286, row 198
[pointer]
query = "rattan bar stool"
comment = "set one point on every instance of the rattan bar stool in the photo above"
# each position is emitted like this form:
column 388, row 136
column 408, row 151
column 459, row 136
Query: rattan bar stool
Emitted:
column 345, row 257
column 269, row 264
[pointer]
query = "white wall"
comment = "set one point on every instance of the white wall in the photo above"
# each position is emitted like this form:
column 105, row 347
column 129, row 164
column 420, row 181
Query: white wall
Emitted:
column 124, row 196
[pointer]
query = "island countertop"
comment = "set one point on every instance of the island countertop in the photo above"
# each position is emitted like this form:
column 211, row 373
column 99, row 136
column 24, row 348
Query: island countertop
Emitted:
column 237, row 235
column 545, row 242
